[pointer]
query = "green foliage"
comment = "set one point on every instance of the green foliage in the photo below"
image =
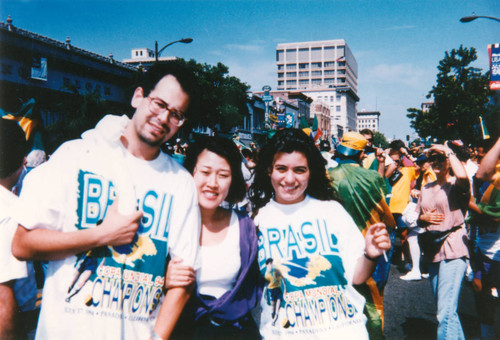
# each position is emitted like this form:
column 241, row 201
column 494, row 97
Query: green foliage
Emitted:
column 460, row 95
column 78, row 113
column 222, row 97
column 379, row 140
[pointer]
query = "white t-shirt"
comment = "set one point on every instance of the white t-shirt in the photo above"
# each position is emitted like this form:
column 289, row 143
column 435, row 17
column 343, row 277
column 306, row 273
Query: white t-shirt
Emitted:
column 110, row 292
column 11, row 269
column 314, row 246
column 220, row 264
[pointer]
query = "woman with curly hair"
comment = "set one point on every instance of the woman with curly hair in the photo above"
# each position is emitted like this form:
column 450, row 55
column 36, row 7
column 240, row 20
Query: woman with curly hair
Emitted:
column 310, row 250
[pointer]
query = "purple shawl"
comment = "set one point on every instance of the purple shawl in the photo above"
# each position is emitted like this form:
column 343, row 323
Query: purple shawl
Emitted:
column 247, row 291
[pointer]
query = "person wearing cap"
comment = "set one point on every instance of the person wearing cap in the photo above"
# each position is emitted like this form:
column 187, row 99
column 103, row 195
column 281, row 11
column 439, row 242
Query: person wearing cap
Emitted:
column 363, row 194
column 17, row 278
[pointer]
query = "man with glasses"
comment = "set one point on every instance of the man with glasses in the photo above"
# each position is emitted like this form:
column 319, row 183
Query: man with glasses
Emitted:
column 105, row 211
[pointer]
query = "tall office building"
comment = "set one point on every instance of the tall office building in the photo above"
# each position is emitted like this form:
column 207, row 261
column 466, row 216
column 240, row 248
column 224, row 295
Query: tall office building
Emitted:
column 324, row 70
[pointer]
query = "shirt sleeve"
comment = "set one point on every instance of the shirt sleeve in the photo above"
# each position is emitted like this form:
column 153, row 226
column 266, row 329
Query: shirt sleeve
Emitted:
column 351, row 242
column 42, row 198
column 184, row 233
column 10, row 267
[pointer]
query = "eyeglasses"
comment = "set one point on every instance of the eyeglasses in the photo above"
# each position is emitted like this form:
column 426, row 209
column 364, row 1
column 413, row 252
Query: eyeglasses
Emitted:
column 437, row 158
column 158, row 107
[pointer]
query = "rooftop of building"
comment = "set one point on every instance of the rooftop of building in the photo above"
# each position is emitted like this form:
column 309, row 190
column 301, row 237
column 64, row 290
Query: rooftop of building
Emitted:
column 8, row 26
column 368, row 113
column 312, row 43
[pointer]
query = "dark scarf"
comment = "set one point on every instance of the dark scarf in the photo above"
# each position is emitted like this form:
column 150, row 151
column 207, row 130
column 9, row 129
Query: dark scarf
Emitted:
column 247, row 291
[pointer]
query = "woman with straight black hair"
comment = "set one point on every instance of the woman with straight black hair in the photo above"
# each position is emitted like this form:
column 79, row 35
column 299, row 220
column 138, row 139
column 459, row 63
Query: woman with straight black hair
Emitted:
column 310, row 250
column 227, row 286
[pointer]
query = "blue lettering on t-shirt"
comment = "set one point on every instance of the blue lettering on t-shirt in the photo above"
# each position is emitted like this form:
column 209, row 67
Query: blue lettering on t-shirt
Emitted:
column 97, row 195
column 304, row 239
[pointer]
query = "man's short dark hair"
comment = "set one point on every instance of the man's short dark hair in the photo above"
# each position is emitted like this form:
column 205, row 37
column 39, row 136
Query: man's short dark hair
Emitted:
column 324, row 145
column 13, row 147
column 397, row 144
column 177, row 69
column 366, row 132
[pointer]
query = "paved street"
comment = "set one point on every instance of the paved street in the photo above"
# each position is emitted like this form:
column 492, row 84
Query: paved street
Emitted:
column 410, row 309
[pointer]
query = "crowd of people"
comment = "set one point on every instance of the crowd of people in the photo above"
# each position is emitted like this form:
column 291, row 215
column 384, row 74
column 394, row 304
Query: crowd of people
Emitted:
column 138, row 239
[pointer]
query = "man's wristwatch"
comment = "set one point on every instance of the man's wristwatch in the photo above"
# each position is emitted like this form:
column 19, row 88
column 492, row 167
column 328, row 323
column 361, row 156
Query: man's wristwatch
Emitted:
column 373, row 259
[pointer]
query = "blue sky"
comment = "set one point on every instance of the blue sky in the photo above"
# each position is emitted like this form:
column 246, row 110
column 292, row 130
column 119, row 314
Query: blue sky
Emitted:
column 397, row 44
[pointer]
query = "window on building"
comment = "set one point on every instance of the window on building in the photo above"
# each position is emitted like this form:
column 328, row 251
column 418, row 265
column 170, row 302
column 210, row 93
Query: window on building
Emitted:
column 330, row 52
column 342, row 80
column 339, row 97
column 316, row 53
column 291, row 66
column 291, row 74
column 280, row 56
column 66, row 82
column 136, row 53
column 303, row 54
column 341, row 71
column 281, row 67
column 316, row 81
column 315, row 65
column 303, row 66
column 329, row 63
column 331, row 98
column 338, row 108
column 304, row 82
column 330, row 81
column 304, row 74
column 280, row 75
column 291, row 55
column 316, row 73
column 291, row 82
column 329, row 72
column 281, row 82
column 340, row 51
column 140, row 53
column 341, row 63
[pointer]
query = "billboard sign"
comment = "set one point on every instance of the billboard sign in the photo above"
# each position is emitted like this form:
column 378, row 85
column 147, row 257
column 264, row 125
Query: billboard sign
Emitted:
column 494, row 54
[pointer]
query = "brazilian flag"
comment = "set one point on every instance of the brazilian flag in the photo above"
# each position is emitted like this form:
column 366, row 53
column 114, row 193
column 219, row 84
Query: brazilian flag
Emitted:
column 490, row 202
column 30, row 121
column 363, row 195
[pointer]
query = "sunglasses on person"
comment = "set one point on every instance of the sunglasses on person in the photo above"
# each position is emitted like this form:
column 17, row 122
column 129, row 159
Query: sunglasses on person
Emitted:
column 437, row 158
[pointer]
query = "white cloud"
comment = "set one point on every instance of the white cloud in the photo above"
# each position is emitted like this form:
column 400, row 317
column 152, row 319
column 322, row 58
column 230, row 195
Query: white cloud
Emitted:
column 256, row 73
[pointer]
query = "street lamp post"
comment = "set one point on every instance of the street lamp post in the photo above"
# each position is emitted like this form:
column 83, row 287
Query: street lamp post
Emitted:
column 474, row 17
column 157, row 53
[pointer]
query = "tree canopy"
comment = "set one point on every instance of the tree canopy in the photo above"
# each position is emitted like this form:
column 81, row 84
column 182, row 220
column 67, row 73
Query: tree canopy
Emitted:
column 222, row 97
column 460, row 95
column 221, row 105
